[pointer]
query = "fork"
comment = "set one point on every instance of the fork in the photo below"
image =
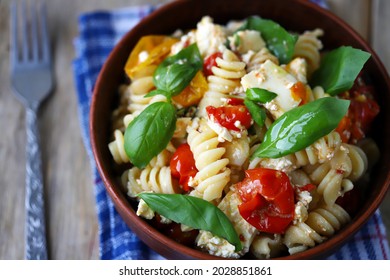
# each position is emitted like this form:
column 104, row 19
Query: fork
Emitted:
column 32, row 81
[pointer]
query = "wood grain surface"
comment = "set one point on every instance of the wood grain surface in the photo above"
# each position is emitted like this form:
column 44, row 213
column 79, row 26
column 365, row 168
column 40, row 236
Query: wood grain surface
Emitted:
column 70, row 203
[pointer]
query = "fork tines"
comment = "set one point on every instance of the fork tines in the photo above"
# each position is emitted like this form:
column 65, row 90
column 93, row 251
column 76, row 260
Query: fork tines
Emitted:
column 32, row 44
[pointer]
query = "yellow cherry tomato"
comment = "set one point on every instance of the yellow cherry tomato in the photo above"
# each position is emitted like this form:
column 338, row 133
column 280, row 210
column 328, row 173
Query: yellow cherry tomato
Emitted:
column 194, row 92
column 150, row 50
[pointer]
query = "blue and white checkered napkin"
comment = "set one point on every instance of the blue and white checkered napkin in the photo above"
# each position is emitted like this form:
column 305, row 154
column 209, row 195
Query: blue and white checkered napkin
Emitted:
column 99, row 32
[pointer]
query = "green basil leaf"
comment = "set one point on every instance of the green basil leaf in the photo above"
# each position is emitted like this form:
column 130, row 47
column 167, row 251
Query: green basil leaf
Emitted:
column 279, row 41
column 339, row 69
column 190, row 55
column 149, row 133
column 260, row 95
column 302, row 126
column 193, row 212
column 156, row 92
column 173, row 78
column 258, row 113
column 176, row 72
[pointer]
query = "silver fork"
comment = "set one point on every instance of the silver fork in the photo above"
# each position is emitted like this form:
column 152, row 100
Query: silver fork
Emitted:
column 32, row 80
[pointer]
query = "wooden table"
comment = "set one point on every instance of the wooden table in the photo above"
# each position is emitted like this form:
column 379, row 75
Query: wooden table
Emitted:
column 70, row 203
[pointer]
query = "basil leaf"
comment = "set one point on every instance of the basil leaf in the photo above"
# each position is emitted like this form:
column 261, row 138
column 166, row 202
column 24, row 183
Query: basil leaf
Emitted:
column 176, row 72
column 149, row 133
column 279, row 41
column 302, row 126
column 173, row 78
column 339, row 69
column 156, row 92
column 189, row 55
column 258, row 113
column 260, row 95
column 194, row 212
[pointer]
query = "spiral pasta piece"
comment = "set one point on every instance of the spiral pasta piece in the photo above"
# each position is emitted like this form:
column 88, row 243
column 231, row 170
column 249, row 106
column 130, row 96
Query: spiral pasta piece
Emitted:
column 138, row 88
column 326, row 220
column 308, row 47
column 156, row 176
column 359, row 162
column 266, row 246
column 321, row 224
column 213, row 173
column 332, row 176
column 156, row 179
column 117, row 148
column 225, row 79
column 300, row 237
column 259, row 58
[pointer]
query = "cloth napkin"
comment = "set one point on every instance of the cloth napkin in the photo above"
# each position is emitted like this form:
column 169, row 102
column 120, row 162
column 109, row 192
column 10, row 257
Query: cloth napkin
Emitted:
column 99, row 31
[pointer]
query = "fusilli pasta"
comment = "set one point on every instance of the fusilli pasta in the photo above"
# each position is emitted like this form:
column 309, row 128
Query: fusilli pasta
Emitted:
column 259, row 58
column 308, row 47
column 266, row 246
column 321, row 224
column 224, row 81
column 213, row 173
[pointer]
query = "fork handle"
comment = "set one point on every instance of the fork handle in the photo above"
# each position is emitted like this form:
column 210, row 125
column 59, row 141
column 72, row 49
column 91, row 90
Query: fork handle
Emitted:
column 35, row 230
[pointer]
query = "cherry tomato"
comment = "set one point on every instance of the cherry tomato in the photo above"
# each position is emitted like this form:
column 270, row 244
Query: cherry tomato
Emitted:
column 235, row 101
column 227, row 116
column 156, row 47
column 268, row 199
column 344, row 129
column 183, row 166
column 209, row 62
column 299, row 92
column 194, row 92
column 361, row 113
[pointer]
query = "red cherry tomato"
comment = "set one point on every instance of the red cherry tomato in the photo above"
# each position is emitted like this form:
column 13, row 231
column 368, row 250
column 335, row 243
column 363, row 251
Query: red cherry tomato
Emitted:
column 209, row 62
column 183, row 166
column 235, row 101
column 268, row 199
column 227, row 116
column 361, row 113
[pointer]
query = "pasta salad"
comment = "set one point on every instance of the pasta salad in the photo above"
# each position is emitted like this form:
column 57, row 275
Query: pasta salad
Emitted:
column 244, row 139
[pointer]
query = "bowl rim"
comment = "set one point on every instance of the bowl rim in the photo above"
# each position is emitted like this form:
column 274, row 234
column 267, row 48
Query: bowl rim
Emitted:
column 123, row 206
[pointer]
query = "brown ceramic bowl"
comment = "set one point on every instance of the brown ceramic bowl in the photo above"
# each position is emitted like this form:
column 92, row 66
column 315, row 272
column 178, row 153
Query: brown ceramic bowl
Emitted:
column 298, row 16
